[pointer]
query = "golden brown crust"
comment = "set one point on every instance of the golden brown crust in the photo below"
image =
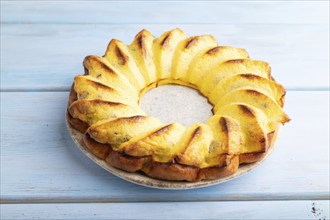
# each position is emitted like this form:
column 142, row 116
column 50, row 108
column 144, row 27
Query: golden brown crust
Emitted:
column 100, row 150
column 165, row 40
column 165, row 171
column 211, row 173
column 191, row 42
column 253, row 157
column 72, row 95
column 171, row 171
column 250, row 157
column 75, row 122
column 125, row 162
column 114, row 158
column 214, row 50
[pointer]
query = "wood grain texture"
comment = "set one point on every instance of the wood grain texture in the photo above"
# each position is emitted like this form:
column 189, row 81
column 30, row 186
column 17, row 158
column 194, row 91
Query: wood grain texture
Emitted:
column 39, row 161
column 47, row 57
column 43, row 44
column 190, row 210
column 137, row 12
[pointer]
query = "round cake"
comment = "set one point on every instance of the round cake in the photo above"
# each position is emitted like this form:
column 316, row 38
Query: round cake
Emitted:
column 247, row 107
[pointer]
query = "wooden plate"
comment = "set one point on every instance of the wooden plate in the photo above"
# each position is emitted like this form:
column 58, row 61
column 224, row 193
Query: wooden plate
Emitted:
column 141, row 179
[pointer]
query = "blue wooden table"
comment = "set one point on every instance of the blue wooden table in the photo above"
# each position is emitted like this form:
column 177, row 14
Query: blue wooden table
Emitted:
column 45, row 176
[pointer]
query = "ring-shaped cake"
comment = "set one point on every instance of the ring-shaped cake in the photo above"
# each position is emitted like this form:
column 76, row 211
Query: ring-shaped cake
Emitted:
column 247, row 107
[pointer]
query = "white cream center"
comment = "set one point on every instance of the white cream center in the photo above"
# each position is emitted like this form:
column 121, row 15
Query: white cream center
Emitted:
column 174, row 103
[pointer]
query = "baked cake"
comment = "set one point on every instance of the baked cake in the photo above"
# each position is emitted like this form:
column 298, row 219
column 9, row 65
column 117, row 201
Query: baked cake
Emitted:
column 248, row 107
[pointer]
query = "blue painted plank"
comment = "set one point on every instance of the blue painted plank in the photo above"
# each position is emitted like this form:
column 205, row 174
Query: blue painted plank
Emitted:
column 40, row 163
column 191, row 210
column 159, row 12
column 47, row 57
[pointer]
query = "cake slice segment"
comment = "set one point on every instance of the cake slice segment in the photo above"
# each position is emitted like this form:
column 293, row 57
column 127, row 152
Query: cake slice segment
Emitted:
column 233, row 67
column 160, row 143
column 227, row 136
column 210, row 144
column 88, row 87
column 93, row 111
column 253, row 134
column 255, row 98
column 142, row 52
column 248, row 81
column 186, row 52
column 103, row 71
column 120, row 130
column 194, row 146
column 204, row 62
column 164, row 48
column 119, row 56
